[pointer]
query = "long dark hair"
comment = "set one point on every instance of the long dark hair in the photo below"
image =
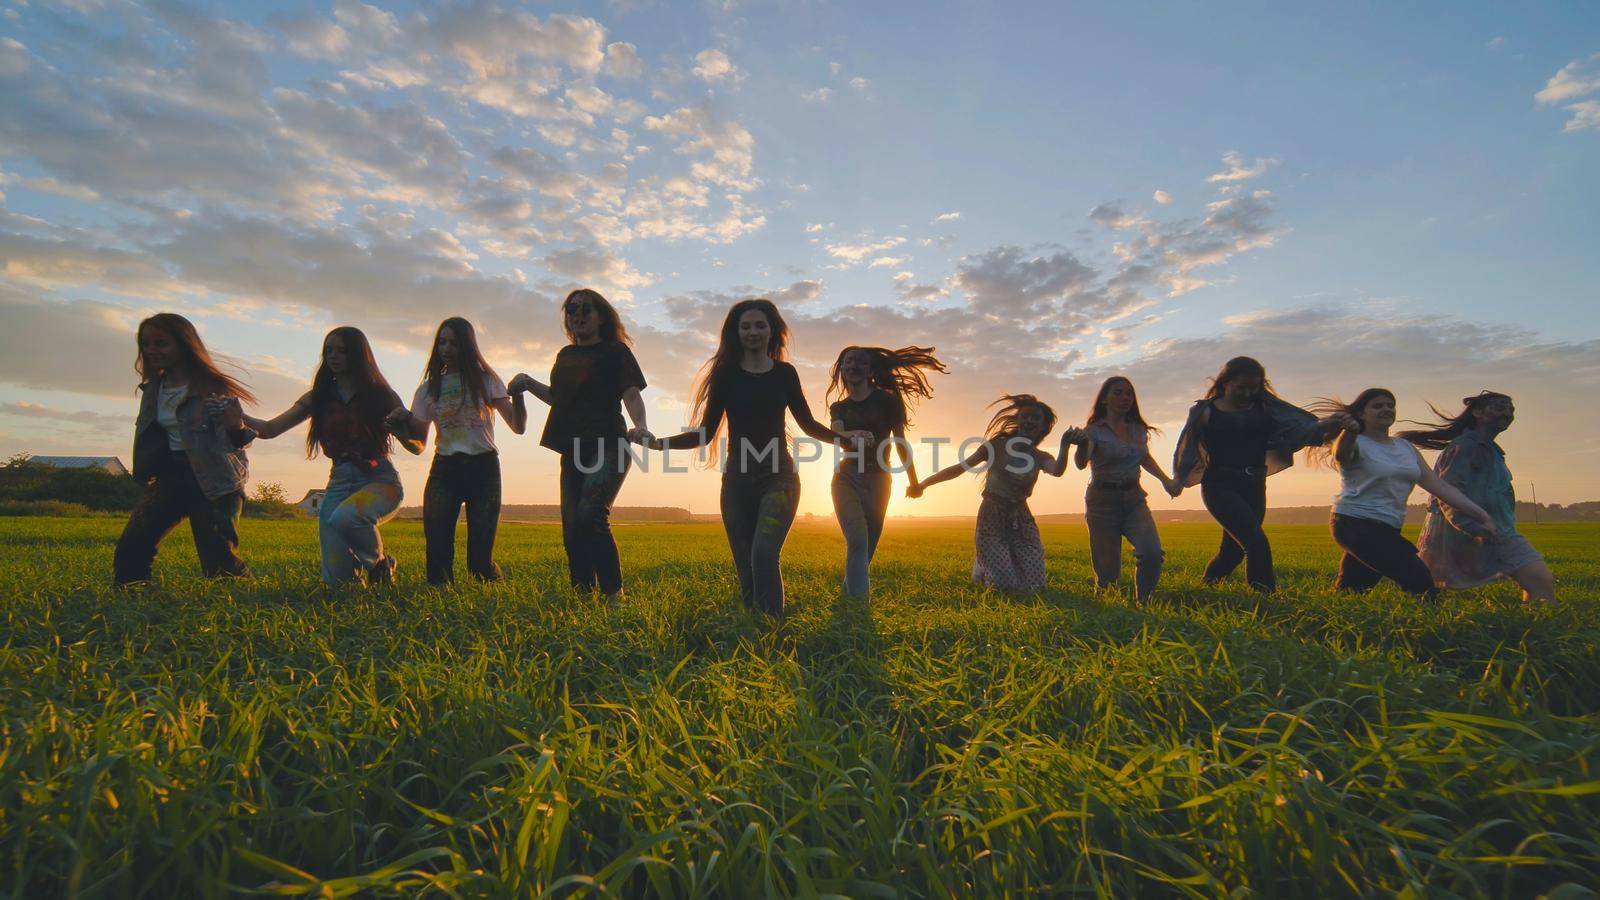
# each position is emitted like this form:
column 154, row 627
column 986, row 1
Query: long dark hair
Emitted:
column 363, row 368
column 1005, row 420
column 204, row 372
column 900, row 372
column 729, row 352
column 1324, row 407
column 611, row 327
column 1438, row 435
column 1097, row 412
column 1239, row 367
column 469, row 361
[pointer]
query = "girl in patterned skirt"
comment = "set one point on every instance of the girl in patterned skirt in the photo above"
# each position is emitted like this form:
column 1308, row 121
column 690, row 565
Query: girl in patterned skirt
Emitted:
column 1009, row 553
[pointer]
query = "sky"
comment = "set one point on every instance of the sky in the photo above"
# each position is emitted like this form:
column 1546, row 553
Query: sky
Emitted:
column 1401, row 195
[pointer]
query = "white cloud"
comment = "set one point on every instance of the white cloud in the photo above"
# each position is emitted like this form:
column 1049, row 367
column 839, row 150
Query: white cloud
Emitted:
column 622, row 60
column 1162, row 197
column 1579, row 78
column 947, row 217
column 855, row 253
column 860, row 84
column 820, row 95
column 1238, row 171
column 1496, row 43
column 887, row 262
column 714, row 66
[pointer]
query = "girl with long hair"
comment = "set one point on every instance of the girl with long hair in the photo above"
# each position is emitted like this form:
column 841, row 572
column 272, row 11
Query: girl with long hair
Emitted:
column 749, row 382
column 188, row 452
column 1376, row 473
column 347, row 406
column 594, row 377
column 1115, row 446
column 1460, row 553
column 1009, row 554
column 875, row 385
column 1236, row 435
column 459, row 396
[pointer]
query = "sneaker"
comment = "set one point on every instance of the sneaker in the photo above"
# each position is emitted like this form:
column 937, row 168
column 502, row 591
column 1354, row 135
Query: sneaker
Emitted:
column 383, row 572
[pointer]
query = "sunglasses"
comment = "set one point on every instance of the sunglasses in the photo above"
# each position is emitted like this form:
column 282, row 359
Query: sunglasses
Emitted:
column 577, row 309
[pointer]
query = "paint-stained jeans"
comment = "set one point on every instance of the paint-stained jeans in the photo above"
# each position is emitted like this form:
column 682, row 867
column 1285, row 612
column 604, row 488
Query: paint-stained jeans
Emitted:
column 171, row 497
column 456, row 479
column 1113, row 513
column 1239, row 504
column 757, row 511
column 860, row 501
column 358, row 500
column 586, row 499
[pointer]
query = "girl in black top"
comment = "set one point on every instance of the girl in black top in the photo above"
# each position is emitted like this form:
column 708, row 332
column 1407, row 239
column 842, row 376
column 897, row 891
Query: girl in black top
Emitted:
column 1236, row 436
column 592, row 379
column 872, row 384
column 748, row 381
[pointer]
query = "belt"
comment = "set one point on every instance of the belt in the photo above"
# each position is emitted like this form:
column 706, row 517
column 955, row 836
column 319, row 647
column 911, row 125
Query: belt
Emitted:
column 1246, row 471
column 1132, row 485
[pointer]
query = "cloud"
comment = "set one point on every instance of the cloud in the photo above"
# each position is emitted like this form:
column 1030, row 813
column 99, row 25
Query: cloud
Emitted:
column 728, row 148
column 947, row 217
column 887, row 262
column 622, row 60
column 714, row 66
column 820, row 95
column 70, row 417
column 1495, row 43
column 584, row 267
column 855, row 253
column 1238, row 171
column 1162, row 197
column 1577, row 79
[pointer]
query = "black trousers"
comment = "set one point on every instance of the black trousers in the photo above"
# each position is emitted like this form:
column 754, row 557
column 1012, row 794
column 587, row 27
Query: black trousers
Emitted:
column 586, row 499
column 454, row 480
column 173, row 496
column 1374, row 551
column 1239, row 504
column 757, row 512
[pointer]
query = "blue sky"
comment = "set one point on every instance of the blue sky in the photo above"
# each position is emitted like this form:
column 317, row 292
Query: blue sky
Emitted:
column 1393, row 193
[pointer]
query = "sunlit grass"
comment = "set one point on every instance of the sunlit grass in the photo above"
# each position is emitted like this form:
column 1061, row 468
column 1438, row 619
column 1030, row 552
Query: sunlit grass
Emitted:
column 207, row 738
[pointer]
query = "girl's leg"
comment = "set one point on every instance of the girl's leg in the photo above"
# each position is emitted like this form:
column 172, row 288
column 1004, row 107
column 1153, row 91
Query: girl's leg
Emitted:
column 1374, row 550
column 1027, row 552
column 1140, row 528
column 482, row 492
column 580, row 568
column 354, row 524
column 849, row 507
column 740, row 504
column 592, row 522
column 993, row 563
column 775, row 515
column 441, row 508
column 156, row 514
column 1240, row 507
column 1102, row 515
column 1537, row 582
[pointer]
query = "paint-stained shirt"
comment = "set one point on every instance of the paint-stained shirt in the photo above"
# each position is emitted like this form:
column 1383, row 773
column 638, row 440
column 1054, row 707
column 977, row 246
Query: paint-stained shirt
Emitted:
column 461, row 425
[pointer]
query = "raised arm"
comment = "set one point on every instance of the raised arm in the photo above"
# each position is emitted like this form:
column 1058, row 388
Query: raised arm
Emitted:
column 1345, row 450
column 267, row 429
column 515, row 412
column 523, row 382
column 1054, row 466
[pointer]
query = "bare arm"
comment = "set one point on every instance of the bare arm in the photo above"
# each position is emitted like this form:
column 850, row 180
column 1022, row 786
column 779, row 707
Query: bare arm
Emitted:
column 1451, row 495
column 949, row 472
column 523, row 382
column 1085, row 451
column 903, row 447
column 1345, row 450
column 634, row 404
column 267, row 429
column 515, row 412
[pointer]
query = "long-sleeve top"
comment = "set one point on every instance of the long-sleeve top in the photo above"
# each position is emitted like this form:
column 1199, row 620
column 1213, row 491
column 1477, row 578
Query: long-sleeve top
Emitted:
column 1291, row 429
column 754, row 404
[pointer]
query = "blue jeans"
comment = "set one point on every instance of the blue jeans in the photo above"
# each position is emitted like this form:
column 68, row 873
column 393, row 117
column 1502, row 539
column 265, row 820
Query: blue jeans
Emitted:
column 860, row 501
column 357, row 501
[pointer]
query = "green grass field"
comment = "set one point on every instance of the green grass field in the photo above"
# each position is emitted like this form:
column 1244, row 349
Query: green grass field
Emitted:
column 205, row 738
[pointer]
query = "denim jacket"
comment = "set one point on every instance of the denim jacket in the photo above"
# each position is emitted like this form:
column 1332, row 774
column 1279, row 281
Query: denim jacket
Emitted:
column 215, row 454
column 1476, row 466
column 1292, row 429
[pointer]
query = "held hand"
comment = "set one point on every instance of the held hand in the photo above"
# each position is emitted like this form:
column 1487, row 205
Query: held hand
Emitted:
column 1487, row 529
column 637, row 435
column 522, row 383
column 226, row 408
column 914, row 490
column 1174, row 487
column 397, row 418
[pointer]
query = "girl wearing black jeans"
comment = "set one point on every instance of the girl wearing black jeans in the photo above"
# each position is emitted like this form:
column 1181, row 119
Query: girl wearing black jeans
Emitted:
column 1377, row 473
column 1236, row 436
column 592, row 379
column 873, row 385
column 188, row 452
column 749, row 382
column 459, row 396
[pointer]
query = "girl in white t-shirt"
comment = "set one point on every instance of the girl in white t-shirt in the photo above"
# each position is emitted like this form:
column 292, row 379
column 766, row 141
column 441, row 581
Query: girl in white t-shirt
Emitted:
column 459, row 396
column 1377, row 473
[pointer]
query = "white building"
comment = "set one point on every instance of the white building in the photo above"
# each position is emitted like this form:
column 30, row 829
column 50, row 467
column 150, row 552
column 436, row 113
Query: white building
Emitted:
column 109, row 463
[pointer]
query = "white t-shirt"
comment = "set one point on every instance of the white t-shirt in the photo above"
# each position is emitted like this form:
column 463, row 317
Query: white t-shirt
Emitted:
column 167, row 403
column 460, row 426
column 1377, row 483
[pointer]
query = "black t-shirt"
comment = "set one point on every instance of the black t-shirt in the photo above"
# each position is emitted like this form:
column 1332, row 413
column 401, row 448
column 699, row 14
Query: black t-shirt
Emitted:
column 754, row 404
column 586, row 387
column 880, row 413
column 1238, row 440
